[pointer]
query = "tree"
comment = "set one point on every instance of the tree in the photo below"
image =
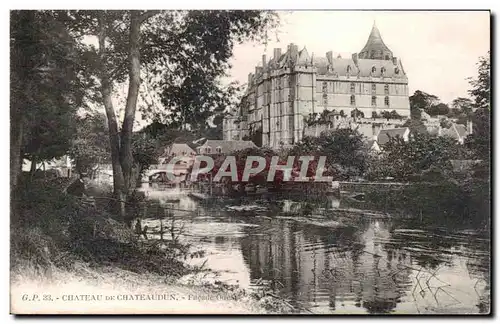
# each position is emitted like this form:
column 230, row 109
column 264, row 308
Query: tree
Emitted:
column 187, row 51
column 421, row 101
column 357, row 113
column 90, row 145
column 415, row 158
column 461, row 105
column 45, row 88
column 481, row 86
column 479, row 141
column 342, row 148
column 439, row 109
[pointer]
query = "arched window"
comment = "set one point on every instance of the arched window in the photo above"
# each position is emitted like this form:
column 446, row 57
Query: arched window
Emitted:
column 374, row 69
column 382, row 70
column 348, row 69
column 353, row 100
column 386, row 89
column 386, row 101
column 353, row 87
column 374, row 101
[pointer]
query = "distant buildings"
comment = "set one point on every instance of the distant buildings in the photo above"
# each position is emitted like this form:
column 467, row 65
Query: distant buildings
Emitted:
column 224, row 146
column 290, row 86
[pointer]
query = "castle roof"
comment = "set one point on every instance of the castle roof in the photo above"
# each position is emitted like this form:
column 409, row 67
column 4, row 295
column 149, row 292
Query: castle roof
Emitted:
column 375, row 47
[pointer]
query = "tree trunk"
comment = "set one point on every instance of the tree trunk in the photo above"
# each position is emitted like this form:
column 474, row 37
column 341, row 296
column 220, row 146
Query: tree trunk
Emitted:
column 33, row 166
column 114, row 137
column 16, row 140
column 126, row 157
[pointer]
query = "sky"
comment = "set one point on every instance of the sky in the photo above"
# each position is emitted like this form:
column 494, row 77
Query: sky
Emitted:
column 438, row 49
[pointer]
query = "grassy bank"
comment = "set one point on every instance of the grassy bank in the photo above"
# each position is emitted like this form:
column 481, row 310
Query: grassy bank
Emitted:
column 62, row 246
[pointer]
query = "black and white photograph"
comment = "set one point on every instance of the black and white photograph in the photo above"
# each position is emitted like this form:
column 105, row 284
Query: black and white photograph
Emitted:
column 250, row 162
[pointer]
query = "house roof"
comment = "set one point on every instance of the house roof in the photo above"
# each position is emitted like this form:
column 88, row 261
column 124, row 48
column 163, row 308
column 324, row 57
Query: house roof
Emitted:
column 229, row 146
column 385, row 134
column 456, row 131
column 178, row 149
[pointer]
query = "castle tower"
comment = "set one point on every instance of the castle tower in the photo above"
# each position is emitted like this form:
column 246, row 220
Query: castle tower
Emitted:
column 375, row 47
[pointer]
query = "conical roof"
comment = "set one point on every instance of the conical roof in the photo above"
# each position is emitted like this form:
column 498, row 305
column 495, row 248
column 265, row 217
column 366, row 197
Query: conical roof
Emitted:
column 375, row 47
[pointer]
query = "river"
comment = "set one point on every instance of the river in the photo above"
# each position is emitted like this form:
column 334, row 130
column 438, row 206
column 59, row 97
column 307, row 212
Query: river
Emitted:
column 324, row 264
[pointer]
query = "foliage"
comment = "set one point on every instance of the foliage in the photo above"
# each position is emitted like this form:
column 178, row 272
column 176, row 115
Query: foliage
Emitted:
column 342, row 147
column 439, row 109
column 423, row 156
column 481, row 86
column 44, row 83
column 357, row 113
column 90, row 145
column 421, row 101
column 480, row 140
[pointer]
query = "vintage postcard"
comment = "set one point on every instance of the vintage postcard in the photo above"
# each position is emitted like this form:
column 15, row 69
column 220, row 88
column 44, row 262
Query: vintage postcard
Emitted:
column 250, row 162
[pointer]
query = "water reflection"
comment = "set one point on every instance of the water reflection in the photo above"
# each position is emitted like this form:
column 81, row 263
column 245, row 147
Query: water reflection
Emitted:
column 372, row 266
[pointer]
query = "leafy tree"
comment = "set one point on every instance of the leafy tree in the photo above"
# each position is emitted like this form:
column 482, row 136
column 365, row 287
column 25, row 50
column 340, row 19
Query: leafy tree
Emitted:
column 440, row 109
column 416, row 126
column 394, row 115
column 481, row 86
column 461, row 105
column 421, row 101
column 375, row 115
column 479, row 141
column 343, row 148
column 187, row 51
column 45, row 88
column 90, row 145
column 417, row 158
column 357, row 113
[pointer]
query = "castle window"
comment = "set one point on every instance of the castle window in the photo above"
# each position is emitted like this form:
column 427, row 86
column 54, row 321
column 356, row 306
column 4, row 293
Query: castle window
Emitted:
column 387, row 57
column 382, row 70
column 386, row 101
column 396, row 70
column 386, row 89
column 353, row 100
column 374, row 87
column 325, row 86
column 348, row 69
column 374, row 69
column 353, row 87
column 218, row 149
column 208, row 150
column 374, row 101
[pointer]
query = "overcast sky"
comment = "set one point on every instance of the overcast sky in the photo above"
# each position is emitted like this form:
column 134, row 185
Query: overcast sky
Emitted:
column 439, row 50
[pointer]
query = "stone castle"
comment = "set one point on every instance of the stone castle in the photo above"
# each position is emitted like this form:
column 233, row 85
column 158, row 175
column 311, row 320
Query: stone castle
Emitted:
column 291, row 86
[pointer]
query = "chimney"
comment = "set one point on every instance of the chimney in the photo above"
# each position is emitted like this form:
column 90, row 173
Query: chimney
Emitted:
column 277, row 54
column 264, row 61
column 329, row 57
column 294, row 50
column 355, row 58
column 395, row 60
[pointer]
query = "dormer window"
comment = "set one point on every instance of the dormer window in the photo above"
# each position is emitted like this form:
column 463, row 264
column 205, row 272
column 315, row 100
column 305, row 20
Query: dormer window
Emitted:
column 396, row 70
column 218, row 149
column 208, row 150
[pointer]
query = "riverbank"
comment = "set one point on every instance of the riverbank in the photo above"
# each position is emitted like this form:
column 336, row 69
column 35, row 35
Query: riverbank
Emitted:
column 69, row 257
